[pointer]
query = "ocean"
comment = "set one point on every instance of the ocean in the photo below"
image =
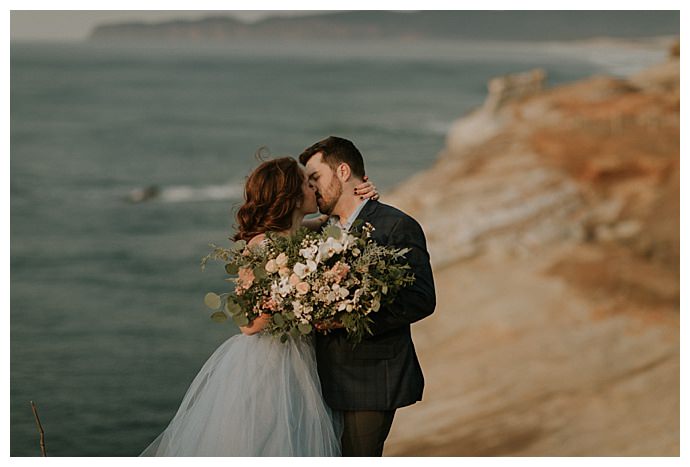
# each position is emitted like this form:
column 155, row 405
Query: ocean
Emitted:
column 108, row 326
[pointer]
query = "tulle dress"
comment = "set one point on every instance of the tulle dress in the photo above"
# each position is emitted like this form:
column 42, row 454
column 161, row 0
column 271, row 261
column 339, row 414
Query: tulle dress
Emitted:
column 254, row 396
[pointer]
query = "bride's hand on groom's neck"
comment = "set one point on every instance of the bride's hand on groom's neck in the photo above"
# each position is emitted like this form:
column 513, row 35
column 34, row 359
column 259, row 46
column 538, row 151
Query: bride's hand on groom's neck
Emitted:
column 367, row 190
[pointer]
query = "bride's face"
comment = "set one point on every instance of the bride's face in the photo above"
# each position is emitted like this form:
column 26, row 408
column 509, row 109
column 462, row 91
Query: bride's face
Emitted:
column 309, row 190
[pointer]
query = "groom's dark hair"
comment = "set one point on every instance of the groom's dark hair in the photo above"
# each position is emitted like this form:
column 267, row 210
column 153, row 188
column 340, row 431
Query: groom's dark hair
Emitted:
column 335, row 151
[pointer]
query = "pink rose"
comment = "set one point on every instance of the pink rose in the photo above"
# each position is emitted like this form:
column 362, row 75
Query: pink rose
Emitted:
column 302, row 288
column 339, row 271
column 294, row 279
column 270, row 304
column 246, row 278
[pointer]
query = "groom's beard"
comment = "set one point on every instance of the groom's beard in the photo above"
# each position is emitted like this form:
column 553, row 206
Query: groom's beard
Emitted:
column 328, row 200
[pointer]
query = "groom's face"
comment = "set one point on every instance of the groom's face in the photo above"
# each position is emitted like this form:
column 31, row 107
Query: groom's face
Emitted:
column 328, row 186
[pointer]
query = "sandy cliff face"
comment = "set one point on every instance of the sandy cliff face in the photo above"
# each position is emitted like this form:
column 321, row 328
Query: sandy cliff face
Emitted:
column 552, row 218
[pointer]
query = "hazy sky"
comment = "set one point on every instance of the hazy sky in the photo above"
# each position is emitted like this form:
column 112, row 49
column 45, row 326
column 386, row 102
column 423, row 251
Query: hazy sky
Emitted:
column 76, row 25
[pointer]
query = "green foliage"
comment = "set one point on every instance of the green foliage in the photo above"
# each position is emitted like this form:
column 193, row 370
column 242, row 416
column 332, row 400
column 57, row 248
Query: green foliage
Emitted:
column 219, row 317
column 333, row 231
column 260, row 271
column 278, row 319
column 238, row 246
column 232, row 307
column 212, row 301
column 240, row 319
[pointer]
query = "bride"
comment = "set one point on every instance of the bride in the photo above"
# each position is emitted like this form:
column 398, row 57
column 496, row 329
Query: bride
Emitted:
column 256, row 396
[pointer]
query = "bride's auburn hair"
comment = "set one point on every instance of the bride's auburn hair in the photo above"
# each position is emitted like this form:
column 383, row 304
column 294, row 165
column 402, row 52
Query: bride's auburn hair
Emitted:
column 271, row 194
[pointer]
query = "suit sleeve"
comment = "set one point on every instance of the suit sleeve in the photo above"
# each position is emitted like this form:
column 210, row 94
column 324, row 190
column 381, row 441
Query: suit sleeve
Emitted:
column 415, row 301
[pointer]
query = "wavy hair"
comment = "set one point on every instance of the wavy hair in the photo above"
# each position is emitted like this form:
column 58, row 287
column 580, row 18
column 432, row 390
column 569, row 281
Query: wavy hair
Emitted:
column 271, row 194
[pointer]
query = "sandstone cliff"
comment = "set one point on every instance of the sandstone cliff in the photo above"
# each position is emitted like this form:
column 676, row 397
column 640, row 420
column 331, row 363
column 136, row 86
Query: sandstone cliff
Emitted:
column 552, row 218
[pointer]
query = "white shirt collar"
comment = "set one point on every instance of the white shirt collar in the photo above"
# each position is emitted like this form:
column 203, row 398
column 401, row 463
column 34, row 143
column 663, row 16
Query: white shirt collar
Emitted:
column 335, row 219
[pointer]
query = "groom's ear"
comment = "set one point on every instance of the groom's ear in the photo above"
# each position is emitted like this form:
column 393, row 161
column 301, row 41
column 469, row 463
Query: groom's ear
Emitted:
column 343, row 172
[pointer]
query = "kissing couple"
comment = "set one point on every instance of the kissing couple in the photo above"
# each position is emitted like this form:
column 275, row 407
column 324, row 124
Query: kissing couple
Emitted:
column 318, row 396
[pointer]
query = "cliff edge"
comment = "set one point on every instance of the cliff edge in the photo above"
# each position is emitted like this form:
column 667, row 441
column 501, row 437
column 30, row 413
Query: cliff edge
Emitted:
column 552, row 218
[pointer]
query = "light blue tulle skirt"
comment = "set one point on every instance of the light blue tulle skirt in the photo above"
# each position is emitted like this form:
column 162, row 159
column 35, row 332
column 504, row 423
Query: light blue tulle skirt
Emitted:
column 254, row 396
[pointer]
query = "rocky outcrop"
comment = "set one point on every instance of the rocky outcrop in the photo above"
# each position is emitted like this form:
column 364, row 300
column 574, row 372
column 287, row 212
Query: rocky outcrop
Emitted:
column 552, row 218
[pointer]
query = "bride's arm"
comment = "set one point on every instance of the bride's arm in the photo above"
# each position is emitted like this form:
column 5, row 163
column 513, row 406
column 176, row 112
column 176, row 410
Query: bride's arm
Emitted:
column 257, row 325
column 315, row 223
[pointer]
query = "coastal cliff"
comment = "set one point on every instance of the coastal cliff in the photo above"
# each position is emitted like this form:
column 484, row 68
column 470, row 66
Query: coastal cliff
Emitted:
column 552, row 220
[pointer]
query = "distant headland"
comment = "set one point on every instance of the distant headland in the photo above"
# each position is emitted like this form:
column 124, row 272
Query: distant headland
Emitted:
column 442, row 25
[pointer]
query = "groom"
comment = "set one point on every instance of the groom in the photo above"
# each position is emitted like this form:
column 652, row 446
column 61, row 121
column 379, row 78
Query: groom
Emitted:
column 369, row 382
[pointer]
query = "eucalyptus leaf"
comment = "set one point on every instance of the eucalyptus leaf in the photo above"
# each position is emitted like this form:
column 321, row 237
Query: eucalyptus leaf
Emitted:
column 333, row 231
column 212, row 301
column 232, row 268
column 283, row 338
column 232, row 307
column 219, row 317
column 278, row 319
column 294, row 332
column 260, row 272
column 304, row 328
column 356, row 224
column 239, row 245
column 240, row 319
column 347, row 320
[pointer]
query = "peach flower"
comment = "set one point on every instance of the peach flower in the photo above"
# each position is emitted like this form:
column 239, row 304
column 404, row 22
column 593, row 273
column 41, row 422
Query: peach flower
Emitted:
column 302, row 288
column 246, row 278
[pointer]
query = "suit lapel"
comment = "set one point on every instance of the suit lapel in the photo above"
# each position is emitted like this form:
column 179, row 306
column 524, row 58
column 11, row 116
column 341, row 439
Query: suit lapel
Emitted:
column 368, row 211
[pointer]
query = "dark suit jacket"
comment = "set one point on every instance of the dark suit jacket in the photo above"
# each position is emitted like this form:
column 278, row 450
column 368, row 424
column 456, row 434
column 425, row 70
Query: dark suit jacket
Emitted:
column 382, row 372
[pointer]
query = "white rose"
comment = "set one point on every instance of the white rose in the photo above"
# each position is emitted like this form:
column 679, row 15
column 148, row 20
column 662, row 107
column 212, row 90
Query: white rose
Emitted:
column 311, row 266
column 282, row 260
column 300, row 269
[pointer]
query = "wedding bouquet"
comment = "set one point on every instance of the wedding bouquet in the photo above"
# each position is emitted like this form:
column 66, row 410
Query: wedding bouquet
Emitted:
column 309, row 278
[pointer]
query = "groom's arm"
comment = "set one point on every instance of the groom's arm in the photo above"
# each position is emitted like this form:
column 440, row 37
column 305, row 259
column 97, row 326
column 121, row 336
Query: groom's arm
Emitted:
column 415, row 301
